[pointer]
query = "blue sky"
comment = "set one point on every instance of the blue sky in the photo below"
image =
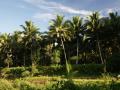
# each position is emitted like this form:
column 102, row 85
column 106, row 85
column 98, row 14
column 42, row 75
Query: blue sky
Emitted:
column 14, row 13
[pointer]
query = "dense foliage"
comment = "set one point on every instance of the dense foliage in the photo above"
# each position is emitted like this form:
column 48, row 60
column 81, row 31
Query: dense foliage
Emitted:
column 74, row 41
column 79, row 70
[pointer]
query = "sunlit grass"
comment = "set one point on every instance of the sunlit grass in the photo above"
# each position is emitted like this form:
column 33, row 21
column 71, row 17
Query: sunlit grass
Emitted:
column 43, row 82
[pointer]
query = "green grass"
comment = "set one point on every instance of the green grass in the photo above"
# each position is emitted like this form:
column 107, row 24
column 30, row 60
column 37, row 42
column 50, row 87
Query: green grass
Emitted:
column 59, row 83
column 54, row 78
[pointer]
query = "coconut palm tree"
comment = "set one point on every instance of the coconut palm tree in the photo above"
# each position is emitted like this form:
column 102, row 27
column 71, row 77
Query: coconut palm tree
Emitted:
column 94, row 26
column 30, row 37
column 17, row 47
column 59, row 29
column 76, row 28
column 115, row 28
column 5, row 40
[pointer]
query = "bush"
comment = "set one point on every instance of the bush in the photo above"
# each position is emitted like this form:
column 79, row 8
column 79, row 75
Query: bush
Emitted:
column 89, row 69
column 106, row 76
column 55, row 57
column 17, row 71
column 51, row 70
column 25, row 73
column 64, row 85
column 113, row 63
column 34, row 71
column 5, row 72
column 14, row 72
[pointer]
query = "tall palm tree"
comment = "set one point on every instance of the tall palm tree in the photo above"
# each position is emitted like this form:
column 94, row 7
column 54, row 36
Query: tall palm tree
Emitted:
column 76, row 28
column 30, row 37
column 5, row 41
column 94, row 26
column 59, row 29
column 115, row 28
column 17, row 47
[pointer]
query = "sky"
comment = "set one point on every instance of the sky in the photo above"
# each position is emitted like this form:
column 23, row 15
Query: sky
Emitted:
column 14, row 13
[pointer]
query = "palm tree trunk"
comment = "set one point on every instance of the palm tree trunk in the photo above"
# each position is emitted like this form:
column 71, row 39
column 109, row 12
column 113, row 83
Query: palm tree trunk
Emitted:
column 32, row 67
column 66, row 61
column 105, row 70
column 31, row 57
column 24, row 58
column 99, row 49
column 100, row 53
column 8, row 65
column 64, row 49
column 77, row 51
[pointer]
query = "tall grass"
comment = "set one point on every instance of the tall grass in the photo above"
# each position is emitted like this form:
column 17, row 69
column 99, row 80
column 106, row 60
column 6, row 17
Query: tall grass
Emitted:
column 6, row 85
column 65, row 84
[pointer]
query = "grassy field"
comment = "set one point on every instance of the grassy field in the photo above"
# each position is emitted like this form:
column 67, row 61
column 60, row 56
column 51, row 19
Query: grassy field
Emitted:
column 60, row 83
column 21, row 78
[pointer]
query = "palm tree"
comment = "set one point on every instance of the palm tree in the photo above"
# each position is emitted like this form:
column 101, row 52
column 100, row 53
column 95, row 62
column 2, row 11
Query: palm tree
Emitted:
column 17, row 48
column 115, row 28
column 59, row 29
column 76, row 28
column 5, row 40
column 94, row 26
column 30, row 37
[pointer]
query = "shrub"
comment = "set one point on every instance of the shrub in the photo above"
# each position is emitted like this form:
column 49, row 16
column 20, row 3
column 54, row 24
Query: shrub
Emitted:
column 107, row 76
column 113, row 63
column 5, row 72
column 12, row 72
column 89, row 69
column 17, row 71
column 25, row 73
column 34, row 71
column 55, row 57
column 64, row 85
column 51, row 70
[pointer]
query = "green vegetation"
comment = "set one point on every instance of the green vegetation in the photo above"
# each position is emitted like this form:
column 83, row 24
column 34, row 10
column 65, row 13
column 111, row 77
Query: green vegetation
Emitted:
column 78, row 70
column 47, row 84
column 76, row 41
column 74, row 54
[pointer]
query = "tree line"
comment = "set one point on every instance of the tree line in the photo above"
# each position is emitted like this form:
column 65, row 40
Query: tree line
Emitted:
column 77, row 41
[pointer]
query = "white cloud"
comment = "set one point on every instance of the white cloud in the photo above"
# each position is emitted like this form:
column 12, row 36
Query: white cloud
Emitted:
column 32, row 1
column 44, row 16
column 110, row 10
column 105, row 12
column 72, row 10
column 48, row 5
